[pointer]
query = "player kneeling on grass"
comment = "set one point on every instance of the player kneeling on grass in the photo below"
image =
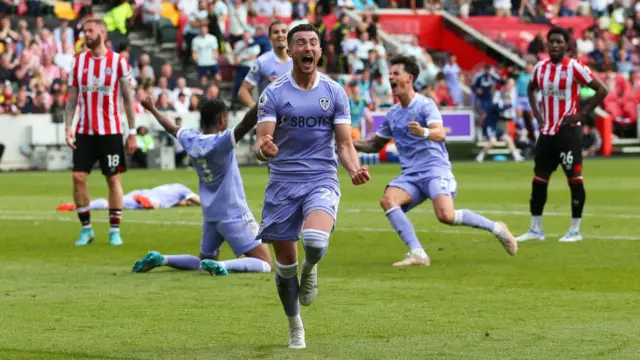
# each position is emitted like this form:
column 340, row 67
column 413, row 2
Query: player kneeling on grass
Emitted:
column 415, row 125
column 226, row 214
column 500, row 109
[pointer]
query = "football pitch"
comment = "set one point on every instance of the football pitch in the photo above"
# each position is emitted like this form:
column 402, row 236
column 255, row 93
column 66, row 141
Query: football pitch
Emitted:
column 551, row 301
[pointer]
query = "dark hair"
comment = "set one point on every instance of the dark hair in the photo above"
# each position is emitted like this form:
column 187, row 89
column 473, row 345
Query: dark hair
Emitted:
column 301, row 28
column 410, row 64
column 210, row 112
column 277, row 22
column 560, row 31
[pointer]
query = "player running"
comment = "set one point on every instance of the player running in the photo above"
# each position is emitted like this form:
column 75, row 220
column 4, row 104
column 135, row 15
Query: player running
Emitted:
column 99, row 77
column 224, row 206
column 160, row 197
column 415, row 125
column 560, row 141
column 269, row 65
column 298, row 115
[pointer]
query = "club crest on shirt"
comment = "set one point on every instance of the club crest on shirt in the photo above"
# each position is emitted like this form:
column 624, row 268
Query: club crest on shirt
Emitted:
column 254, row 68
column 263, row 99
column 412, row 116
column 108, row 71
column 563, row 75
column 325, row 103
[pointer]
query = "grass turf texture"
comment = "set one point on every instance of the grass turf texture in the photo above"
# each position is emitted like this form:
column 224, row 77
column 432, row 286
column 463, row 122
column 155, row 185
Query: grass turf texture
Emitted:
column 551, row 301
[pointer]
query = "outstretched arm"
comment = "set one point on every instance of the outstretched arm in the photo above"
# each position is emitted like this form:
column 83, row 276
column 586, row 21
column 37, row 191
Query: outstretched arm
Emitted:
column 248, row 122
column 167, row 124
column 264, row 147
column 371, row 146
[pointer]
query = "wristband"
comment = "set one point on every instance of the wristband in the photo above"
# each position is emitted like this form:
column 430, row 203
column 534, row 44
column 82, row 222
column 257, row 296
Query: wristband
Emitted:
column 133, row 132
column 261, row 156
column 426, row 133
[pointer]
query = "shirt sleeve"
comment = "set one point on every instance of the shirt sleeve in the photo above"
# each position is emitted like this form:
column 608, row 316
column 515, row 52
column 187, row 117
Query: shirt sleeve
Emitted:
column 73, row 77
column 342, row 110
column 198, row 145
column 267, row 106
column 385, row 128
column 124, row 71
column 431, row 113
column 582, row 73
column 536, row 73
column 253, row 77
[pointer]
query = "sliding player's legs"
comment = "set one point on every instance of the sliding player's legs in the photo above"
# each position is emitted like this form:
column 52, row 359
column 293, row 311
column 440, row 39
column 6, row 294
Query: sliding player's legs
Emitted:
column 401, row 195
column 546, row 161
column 209, row 249
column 240, row 234
column 442, row 191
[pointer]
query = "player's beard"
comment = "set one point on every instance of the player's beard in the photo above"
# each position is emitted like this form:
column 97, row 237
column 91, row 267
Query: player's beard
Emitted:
column 92, row 45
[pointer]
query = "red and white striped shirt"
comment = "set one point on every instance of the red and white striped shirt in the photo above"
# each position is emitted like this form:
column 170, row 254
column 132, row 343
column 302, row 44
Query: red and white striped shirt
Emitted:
column 560, row 86
column 97, row 81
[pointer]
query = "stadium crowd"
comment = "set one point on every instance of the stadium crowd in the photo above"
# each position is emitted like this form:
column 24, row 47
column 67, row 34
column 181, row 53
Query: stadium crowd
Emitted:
column 219, row 39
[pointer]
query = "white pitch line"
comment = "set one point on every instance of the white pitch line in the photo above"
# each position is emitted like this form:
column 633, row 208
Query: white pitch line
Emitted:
column 340, row 229
column 374, row 210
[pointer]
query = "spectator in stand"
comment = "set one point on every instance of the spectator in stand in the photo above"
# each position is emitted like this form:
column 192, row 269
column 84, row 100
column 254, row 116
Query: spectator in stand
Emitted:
column 166, row 71
column 6, row 68
column 597, row 56
column 163, row 103
column 221, row 10
column 599, row 8
column 151, row 10
column 624, row 66
column 570, row 8
column 428, row 72
column 285, row 9
column 143, row 71
column 452, row 74
column 523, row 108
column 181, row 88
column 64, row 32
column 238, row 14
column 339, row 33
column 57, row 109
column 161, row 88
column 331, row 61
column 441, row 95
column 23, row 104
column 381, row 92
column 194, row 103
column 502, row 8
column 181, row 104
column 212, row 92
column 262, row 39
column 193, row 29
column 205, row 54
column 483, row 87
column 245, row 52
column 359, row 111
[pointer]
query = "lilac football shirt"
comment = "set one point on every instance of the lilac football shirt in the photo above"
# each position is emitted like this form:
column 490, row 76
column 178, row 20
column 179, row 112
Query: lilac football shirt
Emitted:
column 266, row 66
column 304, row 131
column 169, row 195
column 417, row 155
column 220, row 185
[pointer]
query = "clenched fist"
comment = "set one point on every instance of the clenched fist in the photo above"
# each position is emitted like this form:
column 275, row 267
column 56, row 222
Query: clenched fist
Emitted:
column 361, row 176
column 416, row 129
column 267, row 147
column 147, row 103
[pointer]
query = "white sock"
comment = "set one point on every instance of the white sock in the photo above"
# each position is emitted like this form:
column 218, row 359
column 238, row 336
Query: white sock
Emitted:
column 295, row 322
column 481, row 155
column 497, row 228
column 536, row 223
column 575, row 225
column 419, row 252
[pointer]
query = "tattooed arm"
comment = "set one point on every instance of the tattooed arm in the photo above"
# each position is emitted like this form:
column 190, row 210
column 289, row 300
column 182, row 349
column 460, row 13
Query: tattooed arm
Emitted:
column 127, row 101
column 69, row 113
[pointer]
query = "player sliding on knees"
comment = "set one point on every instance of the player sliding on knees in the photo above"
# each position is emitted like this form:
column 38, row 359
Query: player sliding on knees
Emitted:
column 160, row 197
column 299, row 115
column 415, row 125
column 224, row 206
column 560, row 142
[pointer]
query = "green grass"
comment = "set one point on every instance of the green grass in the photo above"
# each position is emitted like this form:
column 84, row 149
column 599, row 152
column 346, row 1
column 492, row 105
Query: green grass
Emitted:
column 551, row 301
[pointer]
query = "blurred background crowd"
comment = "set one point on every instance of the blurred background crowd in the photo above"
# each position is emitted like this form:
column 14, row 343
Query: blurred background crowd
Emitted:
column 212, row 44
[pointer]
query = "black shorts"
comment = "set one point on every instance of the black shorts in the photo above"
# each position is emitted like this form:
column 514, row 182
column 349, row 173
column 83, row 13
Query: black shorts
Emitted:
column 564, row 148
column 107, row 149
